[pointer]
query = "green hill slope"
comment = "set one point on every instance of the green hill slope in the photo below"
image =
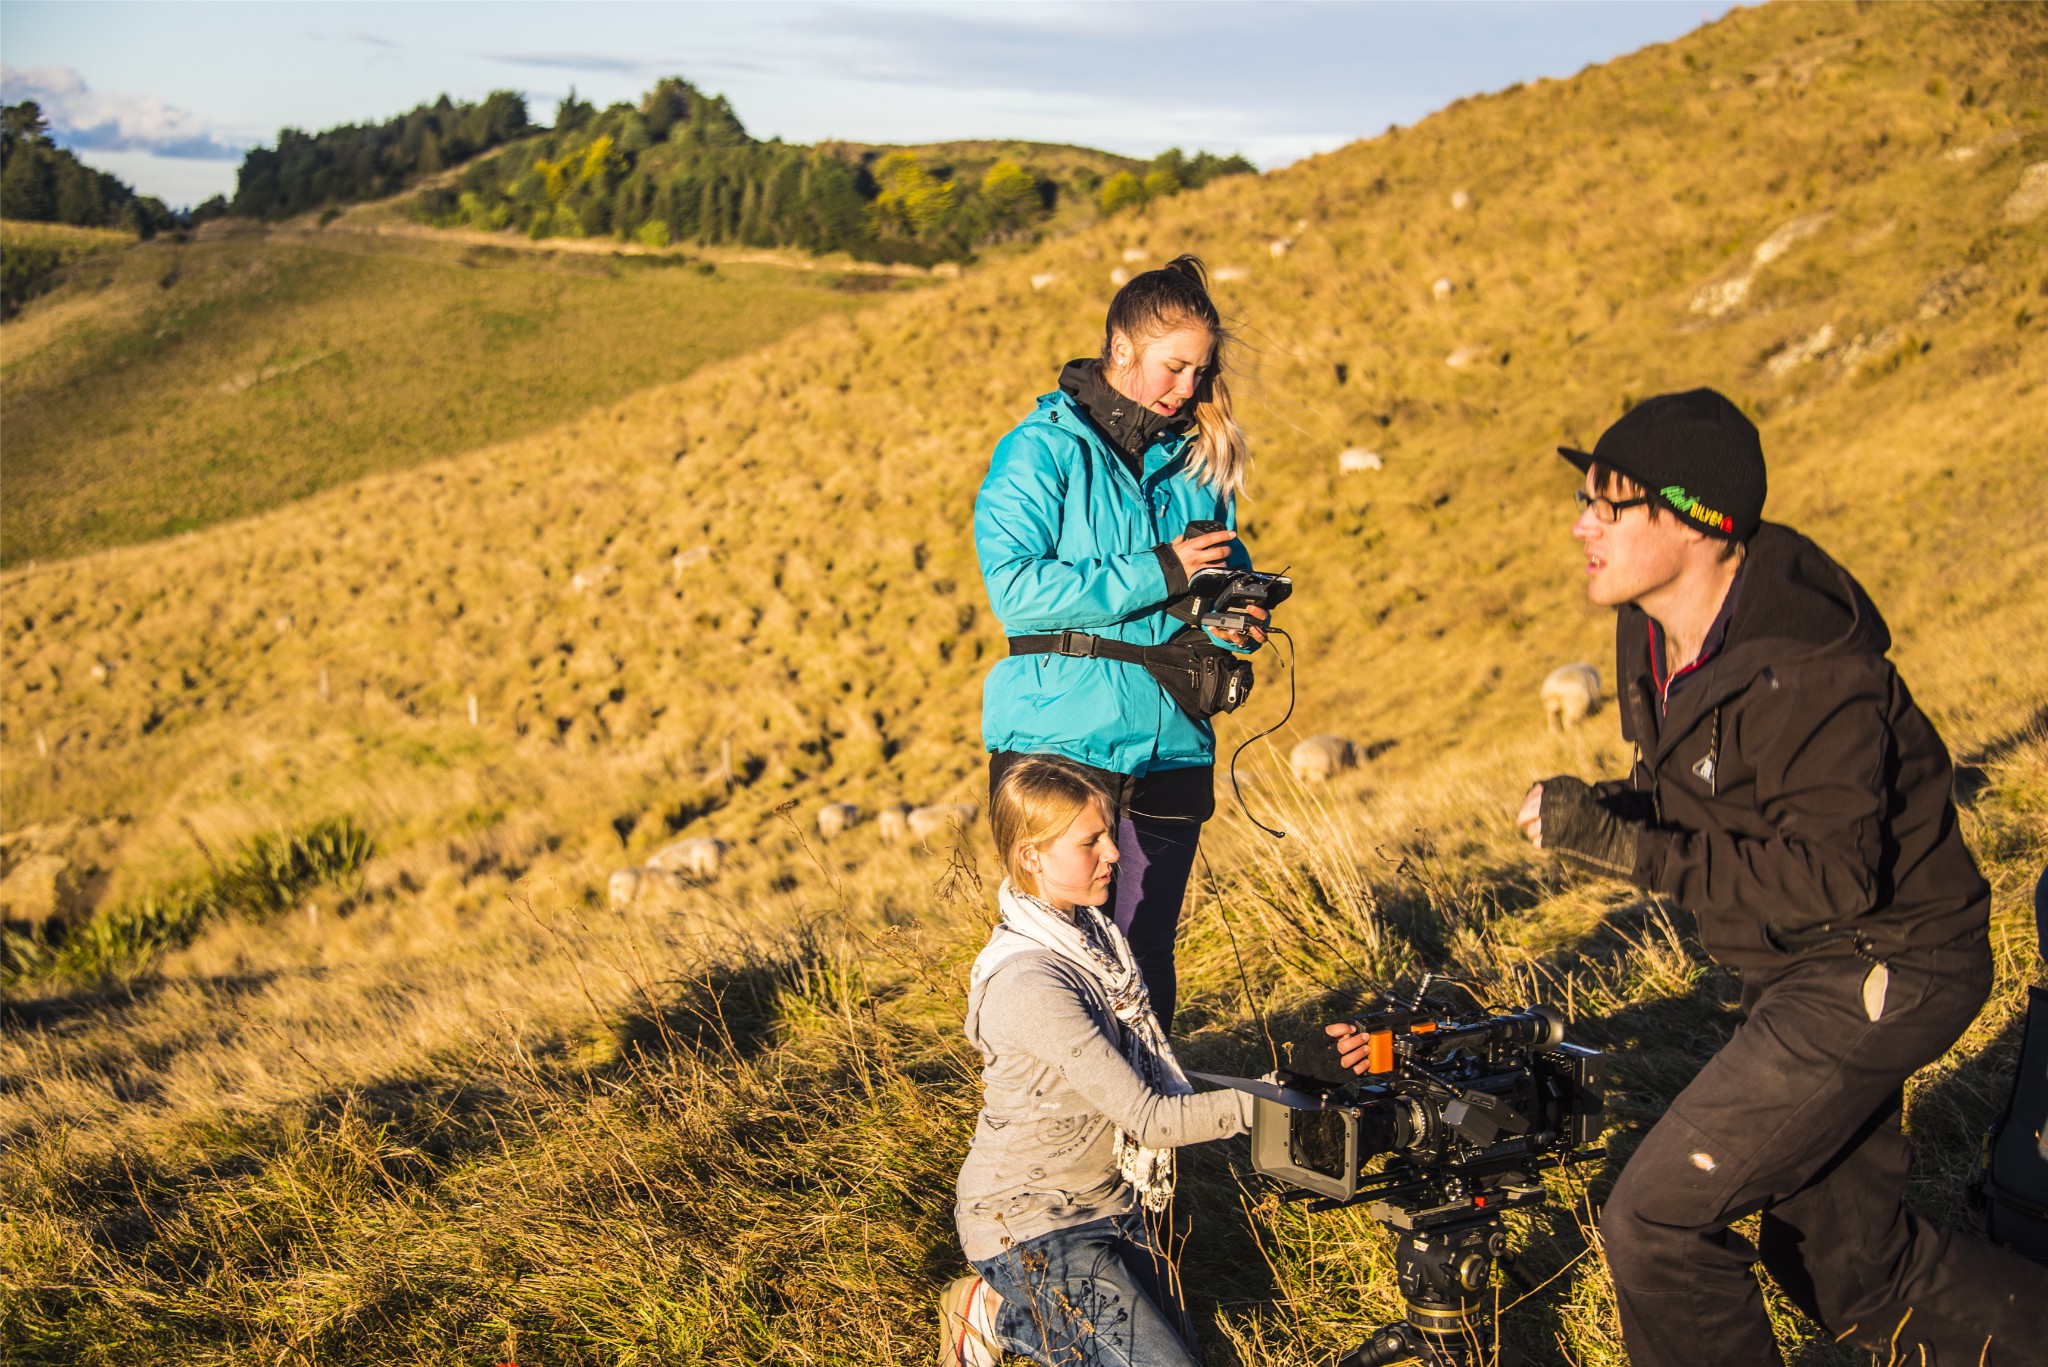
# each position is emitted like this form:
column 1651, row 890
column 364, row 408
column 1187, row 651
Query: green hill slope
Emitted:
column 180, row 384
column 525, row 666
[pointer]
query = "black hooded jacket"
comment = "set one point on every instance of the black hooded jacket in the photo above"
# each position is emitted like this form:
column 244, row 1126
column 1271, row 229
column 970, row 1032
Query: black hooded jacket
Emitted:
column 1799, row 802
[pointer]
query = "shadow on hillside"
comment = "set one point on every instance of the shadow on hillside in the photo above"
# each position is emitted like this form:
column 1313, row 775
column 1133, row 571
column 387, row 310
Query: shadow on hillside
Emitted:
column 729, row 1010
column 1972, row 767
column 108, row 1002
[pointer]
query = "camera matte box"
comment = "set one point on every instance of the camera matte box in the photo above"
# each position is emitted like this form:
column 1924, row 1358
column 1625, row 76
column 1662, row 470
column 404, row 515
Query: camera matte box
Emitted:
column 1273, row 1149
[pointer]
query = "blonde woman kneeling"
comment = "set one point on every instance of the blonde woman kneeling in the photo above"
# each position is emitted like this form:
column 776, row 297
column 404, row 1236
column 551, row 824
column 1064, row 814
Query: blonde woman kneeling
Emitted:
column 1083, row 1104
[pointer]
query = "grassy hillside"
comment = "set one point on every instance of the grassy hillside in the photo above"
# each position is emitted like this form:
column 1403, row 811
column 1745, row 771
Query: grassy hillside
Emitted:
column 33, row 256
column 453, row 1106
column 179, row 384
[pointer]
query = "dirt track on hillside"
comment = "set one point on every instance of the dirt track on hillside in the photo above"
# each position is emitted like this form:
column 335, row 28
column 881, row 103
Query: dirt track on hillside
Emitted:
column 307, row 225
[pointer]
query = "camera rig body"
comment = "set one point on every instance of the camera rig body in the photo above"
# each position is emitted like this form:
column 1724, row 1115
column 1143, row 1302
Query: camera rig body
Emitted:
column 1468, row 1105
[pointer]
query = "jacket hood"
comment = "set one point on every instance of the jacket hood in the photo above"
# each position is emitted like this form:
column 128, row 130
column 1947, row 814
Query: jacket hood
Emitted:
column 1796, row 604
column 1128, row 425
column 1796, row 601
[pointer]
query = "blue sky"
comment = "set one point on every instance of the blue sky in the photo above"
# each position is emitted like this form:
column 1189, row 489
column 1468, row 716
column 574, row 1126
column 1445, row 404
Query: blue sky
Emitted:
column 167, row 94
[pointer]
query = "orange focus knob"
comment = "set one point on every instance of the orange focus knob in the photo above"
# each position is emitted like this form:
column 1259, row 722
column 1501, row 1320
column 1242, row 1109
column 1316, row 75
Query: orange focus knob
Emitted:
column 1380, row 1058
column 1422, row 1028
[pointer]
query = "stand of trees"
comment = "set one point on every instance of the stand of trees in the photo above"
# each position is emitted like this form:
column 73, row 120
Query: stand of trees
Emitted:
column 680, row 167
column 41, row 182
column 369, row 161
column 1170, row 172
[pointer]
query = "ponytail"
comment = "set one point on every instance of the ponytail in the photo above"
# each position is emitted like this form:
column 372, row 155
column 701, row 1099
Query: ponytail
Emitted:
column 1159, row 301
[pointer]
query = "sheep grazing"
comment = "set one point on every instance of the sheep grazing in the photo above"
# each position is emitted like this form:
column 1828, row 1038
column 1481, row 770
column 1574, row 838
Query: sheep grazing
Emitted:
column 1358, row 459
column 645, row 889
column 1461, row 199
column 1043, row 279
column 1134, row 255
column 939, row 818
column 623, row 888
column 1230, row 275
column 699, row 856
column 1119, row 277
column 834, row 818
column 1570, row 692
column 1442, row 289
column 1319, row 758
column 1280, row 246
column 892, row 823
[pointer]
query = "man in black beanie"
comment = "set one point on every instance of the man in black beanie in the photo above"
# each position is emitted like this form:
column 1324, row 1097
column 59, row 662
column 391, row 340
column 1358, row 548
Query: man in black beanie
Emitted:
column 1788, row 791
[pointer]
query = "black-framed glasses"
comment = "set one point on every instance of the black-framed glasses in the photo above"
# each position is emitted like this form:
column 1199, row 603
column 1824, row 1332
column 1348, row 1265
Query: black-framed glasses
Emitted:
column 1606, row 510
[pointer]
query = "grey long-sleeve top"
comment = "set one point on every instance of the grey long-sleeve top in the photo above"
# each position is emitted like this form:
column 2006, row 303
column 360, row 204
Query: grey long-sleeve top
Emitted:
column 1056, row 1087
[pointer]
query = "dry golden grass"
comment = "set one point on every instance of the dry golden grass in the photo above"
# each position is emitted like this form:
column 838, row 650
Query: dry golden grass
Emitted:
column 465, row 1111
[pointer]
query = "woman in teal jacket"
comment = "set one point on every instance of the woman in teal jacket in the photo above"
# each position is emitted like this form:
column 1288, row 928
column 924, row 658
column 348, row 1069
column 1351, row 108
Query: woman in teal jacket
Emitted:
column 1081, row 526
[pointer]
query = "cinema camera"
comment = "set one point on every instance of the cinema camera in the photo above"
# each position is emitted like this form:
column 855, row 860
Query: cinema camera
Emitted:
column 1468, row 1105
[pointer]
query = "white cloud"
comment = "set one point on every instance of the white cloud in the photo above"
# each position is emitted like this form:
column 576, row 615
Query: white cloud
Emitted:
column 84, row 119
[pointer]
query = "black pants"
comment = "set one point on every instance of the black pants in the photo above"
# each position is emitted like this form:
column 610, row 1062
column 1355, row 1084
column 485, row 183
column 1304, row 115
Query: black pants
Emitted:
column 1799, row 1118
column 1158, row 829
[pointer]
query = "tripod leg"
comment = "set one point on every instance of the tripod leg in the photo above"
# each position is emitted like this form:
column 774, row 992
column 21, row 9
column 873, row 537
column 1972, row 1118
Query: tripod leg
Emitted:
column 1386, row 1346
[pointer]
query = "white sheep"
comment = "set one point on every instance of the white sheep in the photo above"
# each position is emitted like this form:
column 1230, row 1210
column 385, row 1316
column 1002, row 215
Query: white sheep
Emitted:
column 1570, row 692
column 834, row 818
column 623, row 888
column 1318, row 758
column 1230, row 275
column 1356, row 459
column 892, row 823
column 939, row 818
column 1280, row 246
column 644, row 888
column 1043, row 279
column 1133, row 255
column 699, row 856
column 1442, row 289
column 1461, row 199
column 1119, row 277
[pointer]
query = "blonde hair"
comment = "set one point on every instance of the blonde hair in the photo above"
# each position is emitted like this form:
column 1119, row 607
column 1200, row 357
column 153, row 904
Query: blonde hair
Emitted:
column 1035, row 801
column 1156, row 302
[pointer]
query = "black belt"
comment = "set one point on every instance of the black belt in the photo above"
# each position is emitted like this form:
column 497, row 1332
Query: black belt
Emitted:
column 1200, row 676
column 1081, row 645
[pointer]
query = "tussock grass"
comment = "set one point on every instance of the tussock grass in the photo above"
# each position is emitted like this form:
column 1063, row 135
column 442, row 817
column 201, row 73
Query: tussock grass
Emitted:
column 463, row 1109
column 265, row 877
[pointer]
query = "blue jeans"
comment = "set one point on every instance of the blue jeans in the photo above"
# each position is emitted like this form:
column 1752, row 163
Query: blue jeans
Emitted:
column 1096, row 1295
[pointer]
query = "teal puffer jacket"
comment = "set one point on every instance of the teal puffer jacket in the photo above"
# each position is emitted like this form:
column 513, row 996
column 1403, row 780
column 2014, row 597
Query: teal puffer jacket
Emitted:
column 1066, row 541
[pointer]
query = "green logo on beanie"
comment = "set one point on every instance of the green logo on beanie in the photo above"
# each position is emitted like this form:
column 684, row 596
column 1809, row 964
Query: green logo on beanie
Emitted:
column 1677, row 497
